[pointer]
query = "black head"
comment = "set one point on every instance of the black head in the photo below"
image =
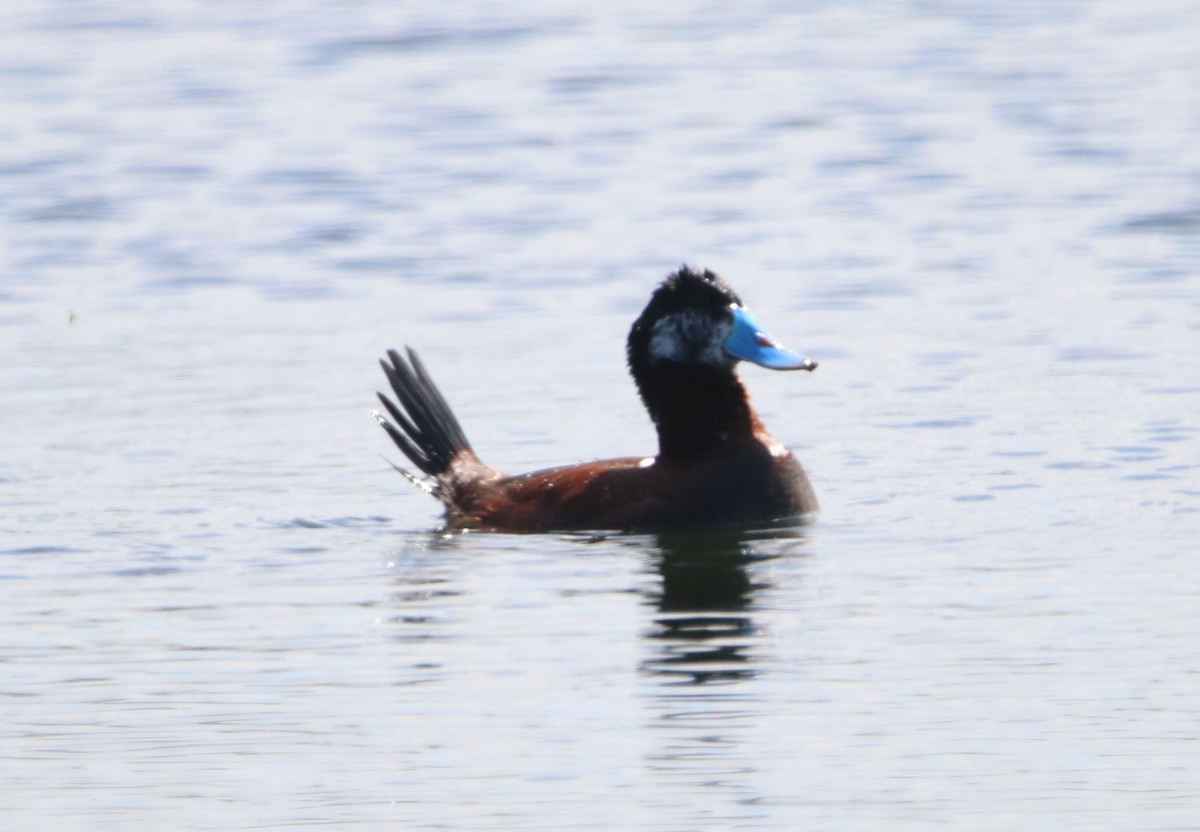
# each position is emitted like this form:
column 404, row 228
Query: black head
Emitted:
column 686, row 321
column 682, row 352
column 696, row 318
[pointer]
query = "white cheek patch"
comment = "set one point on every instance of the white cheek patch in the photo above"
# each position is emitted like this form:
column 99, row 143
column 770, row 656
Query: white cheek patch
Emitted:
column 691, row 337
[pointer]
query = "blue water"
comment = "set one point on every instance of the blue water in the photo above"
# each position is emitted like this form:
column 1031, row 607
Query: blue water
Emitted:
column 223, row 610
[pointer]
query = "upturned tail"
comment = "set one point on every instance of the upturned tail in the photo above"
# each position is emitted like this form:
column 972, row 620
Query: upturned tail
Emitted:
column 422, row 426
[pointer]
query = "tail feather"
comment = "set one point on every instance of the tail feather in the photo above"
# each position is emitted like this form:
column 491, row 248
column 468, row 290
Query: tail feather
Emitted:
column 425, row 429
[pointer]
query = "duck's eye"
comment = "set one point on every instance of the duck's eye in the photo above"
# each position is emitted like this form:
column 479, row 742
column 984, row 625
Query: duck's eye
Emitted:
column 762, row 340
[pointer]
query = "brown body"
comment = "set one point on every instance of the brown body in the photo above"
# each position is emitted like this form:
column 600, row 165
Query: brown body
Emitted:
column 751, row 480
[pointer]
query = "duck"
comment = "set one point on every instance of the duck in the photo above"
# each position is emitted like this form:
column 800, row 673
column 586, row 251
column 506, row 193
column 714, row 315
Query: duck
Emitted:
column 716, row 466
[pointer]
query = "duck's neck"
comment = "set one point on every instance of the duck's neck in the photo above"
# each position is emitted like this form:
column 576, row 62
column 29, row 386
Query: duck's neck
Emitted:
column 697, row 410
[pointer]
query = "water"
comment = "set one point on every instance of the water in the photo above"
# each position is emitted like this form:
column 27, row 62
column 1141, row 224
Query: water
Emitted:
column 223, row 610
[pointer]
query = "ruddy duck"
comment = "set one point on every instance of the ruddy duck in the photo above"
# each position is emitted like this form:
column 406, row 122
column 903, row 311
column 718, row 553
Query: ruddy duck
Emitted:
column 716, row 463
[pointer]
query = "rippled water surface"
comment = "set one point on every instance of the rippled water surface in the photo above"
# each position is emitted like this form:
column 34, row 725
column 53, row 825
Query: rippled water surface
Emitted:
column 224, row 610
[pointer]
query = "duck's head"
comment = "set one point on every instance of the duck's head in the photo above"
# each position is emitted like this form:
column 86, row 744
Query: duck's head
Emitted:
column 695, row 318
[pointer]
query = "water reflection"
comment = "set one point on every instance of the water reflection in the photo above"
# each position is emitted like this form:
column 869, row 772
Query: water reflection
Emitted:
column 703, row 632
column 705, row 651
column 421, row 602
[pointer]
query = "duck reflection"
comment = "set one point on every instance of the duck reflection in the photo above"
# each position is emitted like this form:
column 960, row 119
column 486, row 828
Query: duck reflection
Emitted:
column 705, row 649
column 704, row 632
